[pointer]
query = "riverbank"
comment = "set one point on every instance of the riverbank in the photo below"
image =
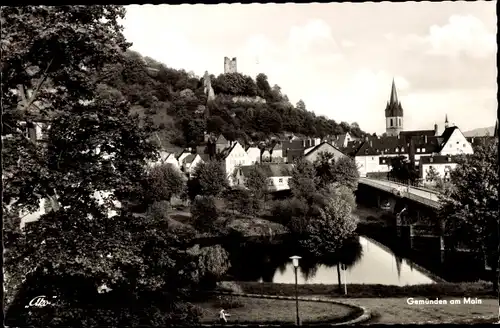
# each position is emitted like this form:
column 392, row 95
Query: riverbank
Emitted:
column 481, row 290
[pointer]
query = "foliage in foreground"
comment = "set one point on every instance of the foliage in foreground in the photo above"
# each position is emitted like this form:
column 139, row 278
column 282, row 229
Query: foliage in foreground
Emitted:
column 470, row 206
column 50, row 59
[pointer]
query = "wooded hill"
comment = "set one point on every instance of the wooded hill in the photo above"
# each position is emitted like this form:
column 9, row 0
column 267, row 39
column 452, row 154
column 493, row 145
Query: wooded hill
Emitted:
column 176, row 102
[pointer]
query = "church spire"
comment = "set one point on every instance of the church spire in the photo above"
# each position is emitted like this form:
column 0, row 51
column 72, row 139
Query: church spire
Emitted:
column 446, row 121
column 394, row 94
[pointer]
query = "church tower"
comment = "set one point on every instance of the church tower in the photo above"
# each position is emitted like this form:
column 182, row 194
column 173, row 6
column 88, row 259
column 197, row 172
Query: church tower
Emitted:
column 393, row 114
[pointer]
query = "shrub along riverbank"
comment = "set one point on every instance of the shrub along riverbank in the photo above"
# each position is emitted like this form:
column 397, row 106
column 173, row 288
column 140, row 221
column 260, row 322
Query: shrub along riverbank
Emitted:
column 476, row 289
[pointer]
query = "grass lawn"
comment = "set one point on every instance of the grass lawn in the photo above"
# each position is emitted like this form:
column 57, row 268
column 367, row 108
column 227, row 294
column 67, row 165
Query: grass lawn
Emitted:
column 398, row 311
column 257, row 310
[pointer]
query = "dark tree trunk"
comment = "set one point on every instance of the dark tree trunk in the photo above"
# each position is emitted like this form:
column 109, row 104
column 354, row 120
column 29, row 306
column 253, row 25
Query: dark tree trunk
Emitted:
column 339, row 277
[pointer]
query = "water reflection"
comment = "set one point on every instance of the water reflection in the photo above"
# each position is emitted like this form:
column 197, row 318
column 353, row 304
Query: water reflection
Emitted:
column 367, row 263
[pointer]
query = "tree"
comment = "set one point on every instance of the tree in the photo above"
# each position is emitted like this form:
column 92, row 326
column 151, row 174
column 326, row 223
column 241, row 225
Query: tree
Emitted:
column 257, row 182
column 143, row 262
column 326, row 232
column 346, row 172
column 325, row 169
column 204, row 213
column 263, row 87
column 213, row 263
column 470, row 207
column 301, row 105
column 163, row 182
column 194, row 130
column 402, row 169
column 50, row 59
column 303, row 181
column 432, row 175
column 209, row 179
column 342, row 171
column 215, row 124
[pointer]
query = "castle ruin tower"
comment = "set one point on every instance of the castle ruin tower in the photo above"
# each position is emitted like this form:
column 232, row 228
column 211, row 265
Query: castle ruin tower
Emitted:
column 393, row 114
column 230, row 65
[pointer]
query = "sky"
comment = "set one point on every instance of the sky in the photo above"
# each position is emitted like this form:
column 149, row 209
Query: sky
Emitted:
column 341, row 58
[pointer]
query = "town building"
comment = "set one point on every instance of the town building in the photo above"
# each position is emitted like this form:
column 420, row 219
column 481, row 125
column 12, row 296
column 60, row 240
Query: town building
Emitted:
column 254, row 153
column 278, row 175
column 373, row 155
column 233, row 157
column 437, row 167
column 312, row 154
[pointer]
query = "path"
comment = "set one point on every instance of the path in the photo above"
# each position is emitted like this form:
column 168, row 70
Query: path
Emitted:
column 398, row 311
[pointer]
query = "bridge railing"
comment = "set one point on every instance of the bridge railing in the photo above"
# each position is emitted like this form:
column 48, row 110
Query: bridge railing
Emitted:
column 403, row 191
column 416, row 185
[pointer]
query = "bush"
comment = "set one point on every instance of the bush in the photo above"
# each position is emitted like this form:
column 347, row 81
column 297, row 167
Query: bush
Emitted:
column 228, row 302
column 283, row 211
column 204, row 213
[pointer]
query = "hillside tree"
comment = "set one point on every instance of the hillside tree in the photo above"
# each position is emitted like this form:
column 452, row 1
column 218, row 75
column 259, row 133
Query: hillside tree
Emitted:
column 470, row 206
column 209, row 179
column 50, row 56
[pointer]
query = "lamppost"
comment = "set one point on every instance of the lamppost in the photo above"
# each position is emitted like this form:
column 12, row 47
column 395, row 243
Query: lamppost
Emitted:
column 295, row 262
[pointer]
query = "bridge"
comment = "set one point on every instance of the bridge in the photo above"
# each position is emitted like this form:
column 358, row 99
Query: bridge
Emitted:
column 420, row 195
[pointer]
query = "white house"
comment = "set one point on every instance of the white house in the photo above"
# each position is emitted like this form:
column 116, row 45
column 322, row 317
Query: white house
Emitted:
column 342, row 140
column 312, row 154
column 254, row 154
column 234, row 157
column 375, row 153
column 277, row 154
column 190, row 162
column 455, row 143
column 266, row 155
column 441, row 165
column 278, row 175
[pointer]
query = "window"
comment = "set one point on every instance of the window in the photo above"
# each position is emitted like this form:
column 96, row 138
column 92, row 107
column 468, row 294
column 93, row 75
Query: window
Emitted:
column 280, row 180
column 391, row 122
column 372, row 158
column 402, row 149
column 418, row 150
column 399, row 122
column 450, row 145
column 270, row 182
column 464, row 145
column 383, row 161
column 423, row 150
column 431, row 160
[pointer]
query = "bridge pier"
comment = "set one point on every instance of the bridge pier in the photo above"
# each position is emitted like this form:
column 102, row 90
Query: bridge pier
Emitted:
column 412, row 235
column 441, row 242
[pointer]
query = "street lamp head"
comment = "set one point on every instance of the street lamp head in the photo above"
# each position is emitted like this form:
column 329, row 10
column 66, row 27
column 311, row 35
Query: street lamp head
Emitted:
column 295, row 260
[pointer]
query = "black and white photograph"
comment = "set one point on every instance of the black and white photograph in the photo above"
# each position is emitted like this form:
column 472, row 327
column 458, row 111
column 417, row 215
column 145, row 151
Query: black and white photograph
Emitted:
column 250, row 164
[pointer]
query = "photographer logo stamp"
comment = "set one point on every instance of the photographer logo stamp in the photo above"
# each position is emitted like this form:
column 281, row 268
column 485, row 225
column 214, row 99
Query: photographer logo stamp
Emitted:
column 39, row 302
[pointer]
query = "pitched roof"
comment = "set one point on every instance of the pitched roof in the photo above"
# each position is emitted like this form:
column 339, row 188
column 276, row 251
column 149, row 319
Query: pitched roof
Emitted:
column 269, row 170
column 417, row 133
column 202, row 150
column 320, row 144
column 431, row 144
column 225, row 152
column 352, row 147
column 189, row 158
column 221, row 140
column 382, row 145
column 277, row 146
column 448, row 132
column 205, row 157
column 438, row 159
